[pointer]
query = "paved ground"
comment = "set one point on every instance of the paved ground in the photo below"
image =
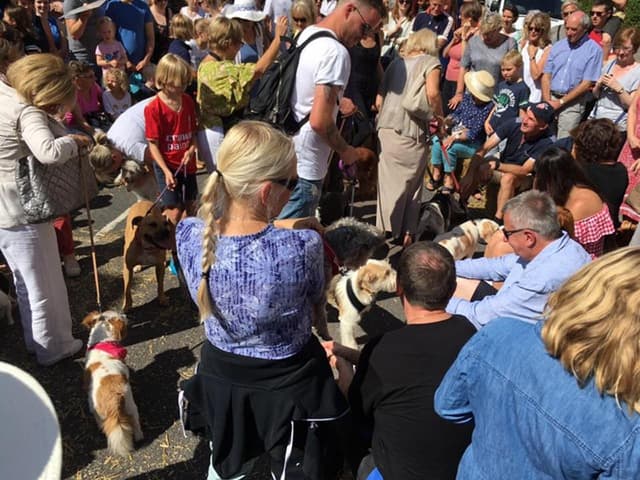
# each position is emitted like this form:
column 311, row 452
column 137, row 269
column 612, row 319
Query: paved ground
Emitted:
column 163, row 345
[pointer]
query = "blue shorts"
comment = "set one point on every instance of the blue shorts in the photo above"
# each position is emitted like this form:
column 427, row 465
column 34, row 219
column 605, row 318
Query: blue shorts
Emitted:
column 186, row 190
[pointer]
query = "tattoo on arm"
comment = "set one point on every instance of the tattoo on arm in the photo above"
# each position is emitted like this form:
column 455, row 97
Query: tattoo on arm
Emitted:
column 332, row 135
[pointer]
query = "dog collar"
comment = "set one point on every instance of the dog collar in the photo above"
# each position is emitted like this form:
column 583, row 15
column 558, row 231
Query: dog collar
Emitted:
column 112, row 348
column 357, row 304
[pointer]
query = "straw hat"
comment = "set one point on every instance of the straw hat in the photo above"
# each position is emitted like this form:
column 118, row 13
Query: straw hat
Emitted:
column 480, row 85
column 244, row 10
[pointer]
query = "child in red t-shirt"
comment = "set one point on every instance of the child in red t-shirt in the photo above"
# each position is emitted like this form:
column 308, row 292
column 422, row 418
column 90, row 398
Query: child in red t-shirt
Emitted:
column 170, row 128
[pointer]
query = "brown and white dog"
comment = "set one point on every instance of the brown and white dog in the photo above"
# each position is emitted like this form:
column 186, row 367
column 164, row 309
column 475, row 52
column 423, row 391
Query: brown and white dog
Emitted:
column 147, row 237
column 463, row 239
column 137, row 179
column 107, row 380
column 353, row 294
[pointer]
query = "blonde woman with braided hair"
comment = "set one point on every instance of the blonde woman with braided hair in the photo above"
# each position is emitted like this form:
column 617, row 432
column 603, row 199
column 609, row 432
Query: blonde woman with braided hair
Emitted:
column 263, row 375
column 561, row 396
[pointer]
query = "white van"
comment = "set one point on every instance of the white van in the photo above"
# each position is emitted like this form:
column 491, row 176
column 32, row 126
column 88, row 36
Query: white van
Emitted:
column 552, row 7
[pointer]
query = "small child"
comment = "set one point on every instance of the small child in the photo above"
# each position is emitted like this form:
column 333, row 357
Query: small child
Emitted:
column 110, row 53
column 88, row 112
column 512, row 97
column 116, row 98
column 192, row 10
column 170, row 128
column 181, row 30
column 468, row 132
column 199, row 44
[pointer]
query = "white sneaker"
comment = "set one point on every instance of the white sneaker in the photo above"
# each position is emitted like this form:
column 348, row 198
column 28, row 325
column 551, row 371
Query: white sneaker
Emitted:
column 71, row 266
column 74, row 348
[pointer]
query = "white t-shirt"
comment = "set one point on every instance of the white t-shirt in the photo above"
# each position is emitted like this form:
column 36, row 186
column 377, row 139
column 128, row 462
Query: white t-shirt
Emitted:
column 113, row 106
column 127, row 132
column 324, row 61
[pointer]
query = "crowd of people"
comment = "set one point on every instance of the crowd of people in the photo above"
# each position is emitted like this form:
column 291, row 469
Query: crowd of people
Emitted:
column 520, row 364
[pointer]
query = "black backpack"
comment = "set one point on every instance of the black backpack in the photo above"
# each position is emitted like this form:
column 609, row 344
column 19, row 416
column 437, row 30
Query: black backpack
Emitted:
column 272, row 101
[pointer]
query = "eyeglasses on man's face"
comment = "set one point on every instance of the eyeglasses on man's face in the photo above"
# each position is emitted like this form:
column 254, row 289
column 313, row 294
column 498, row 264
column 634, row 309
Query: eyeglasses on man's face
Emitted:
column 508, row 233
column 366, row 28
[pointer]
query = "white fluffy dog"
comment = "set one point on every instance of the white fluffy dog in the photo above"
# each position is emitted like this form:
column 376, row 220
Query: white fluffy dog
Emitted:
column 354, row 293
column 107, row 379
column 463, row 239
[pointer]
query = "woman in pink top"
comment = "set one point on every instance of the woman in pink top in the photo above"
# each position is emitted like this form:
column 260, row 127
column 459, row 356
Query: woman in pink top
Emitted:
column 470, row 14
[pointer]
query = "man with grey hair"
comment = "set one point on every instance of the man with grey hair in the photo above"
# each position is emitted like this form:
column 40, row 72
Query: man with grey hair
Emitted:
column 573, row 67
column 544, row 257
column 559, row 32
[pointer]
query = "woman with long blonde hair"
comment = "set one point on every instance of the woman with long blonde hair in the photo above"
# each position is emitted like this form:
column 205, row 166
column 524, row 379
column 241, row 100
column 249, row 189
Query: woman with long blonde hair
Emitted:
column 262, row 373
column 562, row 397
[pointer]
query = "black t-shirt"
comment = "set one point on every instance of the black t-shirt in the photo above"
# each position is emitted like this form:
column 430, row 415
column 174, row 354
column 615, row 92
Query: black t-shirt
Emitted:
column 509, row 99
column 611, row 181
column 393, row 388
column 518, row 150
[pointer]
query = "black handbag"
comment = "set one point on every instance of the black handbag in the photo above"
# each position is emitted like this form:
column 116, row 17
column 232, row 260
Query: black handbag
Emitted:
column 47, row 191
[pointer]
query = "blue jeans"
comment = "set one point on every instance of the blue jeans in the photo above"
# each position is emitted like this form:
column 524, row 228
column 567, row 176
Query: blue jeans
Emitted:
column 304, row 199
column 455, row 151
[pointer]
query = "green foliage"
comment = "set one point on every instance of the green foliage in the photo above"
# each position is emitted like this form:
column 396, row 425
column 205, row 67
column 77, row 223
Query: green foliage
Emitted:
column 633, row 14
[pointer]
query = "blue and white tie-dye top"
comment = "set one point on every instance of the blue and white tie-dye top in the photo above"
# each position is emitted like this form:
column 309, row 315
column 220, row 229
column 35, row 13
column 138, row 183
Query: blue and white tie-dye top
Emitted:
column 264, row 286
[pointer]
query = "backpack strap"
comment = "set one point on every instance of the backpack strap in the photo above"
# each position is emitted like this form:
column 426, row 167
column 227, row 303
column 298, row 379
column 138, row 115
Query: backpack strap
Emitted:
column 320, row 34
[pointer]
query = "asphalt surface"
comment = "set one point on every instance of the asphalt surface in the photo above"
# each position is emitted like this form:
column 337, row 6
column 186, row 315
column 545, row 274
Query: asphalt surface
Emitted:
column 163, row 346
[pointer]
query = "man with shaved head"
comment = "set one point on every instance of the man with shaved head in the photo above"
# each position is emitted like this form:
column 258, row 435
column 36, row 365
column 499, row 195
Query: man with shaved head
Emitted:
column 573, row 67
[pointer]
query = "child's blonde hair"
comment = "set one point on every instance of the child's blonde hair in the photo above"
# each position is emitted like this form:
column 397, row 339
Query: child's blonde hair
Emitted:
column 512, row 57
column 119, row 76
column 181, row 27
column 201, row 32
column 173, row 69
column 224, row 32
column 250, row 154
column 106, row 21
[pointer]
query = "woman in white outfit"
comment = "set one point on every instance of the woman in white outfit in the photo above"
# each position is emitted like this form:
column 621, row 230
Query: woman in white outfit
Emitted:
column 535, row 52
column 42, row 87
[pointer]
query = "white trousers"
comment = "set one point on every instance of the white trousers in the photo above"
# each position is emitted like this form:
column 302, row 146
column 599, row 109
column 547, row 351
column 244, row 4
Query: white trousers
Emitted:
column 31, row 252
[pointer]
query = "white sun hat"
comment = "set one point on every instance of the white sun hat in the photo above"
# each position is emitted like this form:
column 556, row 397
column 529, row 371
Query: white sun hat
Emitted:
column 244, row 10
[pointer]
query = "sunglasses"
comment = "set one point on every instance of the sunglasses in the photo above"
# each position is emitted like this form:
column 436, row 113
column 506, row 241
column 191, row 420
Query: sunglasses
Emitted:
column 404, row 2
column 299, row 20
column 288, row 183
column 597, row 14
column 566, row 14
column 536, row 29
column 366, row 28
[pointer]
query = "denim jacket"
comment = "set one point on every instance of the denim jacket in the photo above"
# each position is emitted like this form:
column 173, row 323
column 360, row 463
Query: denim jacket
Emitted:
column 532, row 420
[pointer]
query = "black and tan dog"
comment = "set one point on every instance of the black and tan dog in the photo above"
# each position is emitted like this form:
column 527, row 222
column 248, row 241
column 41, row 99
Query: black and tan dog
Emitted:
column 147, row 237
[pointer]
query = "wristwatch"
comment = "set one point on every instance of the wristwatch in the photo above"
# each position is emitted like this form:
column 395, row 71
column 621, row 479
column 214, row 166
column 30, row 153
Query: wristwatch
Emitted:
column 561, row 102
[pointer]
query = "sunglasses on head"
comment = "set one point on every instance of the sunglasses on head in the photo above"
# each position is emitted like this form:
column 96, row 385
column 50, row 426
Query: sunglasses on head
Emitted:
column 288, row 183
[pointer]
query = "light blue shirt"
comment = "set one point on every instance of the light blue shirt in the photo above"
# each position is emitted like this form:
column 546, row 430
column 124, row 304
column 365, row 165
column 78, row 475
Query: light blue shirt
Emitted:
column 569, row 64
column 527, row 285
column 533, row 421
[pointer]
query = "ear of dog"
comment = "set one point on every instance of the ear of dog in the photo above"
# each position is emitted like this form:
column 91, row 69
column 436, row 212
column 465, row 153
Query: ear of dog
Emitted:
column 118, row 328
column 136, row 220
column 91, row 319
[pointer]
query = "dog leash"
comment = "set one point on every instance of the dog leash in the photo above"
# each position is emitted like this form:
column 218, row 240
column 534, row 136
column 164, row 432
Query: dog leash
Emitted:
column 94, row 259
column 182, row 165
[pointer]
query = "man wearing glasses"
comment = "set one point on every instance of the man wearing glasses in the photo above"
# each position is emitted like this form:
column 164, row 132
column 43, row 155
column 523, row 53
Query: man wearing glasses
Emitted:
column 573, row 67
column 544, row 257
column 600, row 13
column 322, row 75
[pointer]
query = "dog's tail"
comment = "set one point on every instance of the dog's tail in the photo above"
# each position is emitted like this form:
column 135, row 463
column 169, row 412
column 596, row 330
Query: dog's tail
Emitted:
column 117, row 424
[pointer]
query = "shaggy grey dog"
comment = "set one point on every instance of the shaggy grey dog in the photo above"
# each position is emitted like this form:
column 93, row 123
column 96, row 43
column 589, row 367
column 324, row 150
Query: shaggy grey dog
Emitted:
column 353, row 241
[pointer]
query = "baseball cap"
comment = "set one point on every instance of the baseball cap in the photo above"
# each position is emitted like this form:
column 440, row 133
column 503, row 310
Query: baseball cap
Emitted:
column 543, row 112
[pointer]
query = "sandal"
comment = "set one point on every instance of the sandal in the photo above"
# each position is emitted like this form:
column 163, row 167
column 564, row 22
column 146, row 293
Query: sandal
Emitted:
column 432, row 185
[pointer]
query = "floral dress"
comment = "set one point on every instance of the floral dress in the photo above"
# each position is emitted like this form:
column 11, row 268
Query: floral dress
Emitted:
column 223, row 89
